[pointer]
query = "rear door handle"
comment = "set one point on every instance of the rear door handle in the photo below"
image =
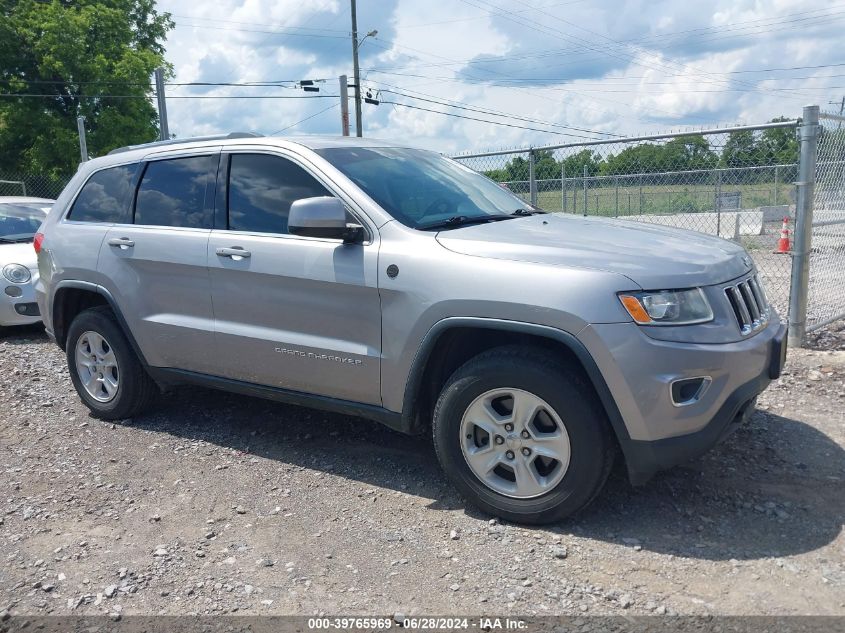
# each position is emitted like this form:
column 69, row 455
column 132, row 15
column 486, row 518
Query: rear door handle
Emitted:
column 121, row 242
column 236, row 252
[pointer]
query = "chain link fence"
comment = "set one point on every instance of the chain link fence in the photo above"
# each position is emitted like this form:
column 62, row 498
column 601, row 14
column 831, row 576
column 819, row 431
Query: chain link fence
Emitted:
column 737, row 183
column 32, row 185
column 740, row 183
column 826, row 290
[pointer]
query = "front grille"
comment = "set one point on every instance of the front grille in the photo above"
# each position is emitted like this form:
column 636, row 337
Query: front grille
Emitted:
column 749, row 304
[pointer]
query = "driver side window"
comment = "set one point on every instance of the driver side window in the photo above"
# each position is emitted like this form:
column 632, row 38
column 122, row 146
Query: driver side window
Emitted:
column 262, row 188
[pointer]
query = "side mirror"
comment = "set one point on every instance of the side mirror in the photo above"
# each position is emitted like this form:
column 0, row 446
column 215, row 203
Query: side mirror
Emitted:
column 323, row 217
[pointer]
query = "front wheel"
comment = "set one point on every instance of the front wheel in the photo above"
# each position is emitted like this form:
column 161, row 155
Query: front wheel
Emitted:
column 104, row 369
column 522, row 435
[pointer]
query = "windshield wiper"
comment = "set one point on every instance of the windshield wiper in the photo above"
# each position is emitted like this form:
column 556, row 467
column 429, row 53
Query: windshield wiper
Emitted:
column 523, row 212
column 463, row 220
column 15, row 240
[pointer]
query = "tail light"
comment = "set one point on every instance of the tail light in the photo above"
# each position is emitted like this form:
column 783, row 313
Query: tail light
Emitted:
column 37, row 241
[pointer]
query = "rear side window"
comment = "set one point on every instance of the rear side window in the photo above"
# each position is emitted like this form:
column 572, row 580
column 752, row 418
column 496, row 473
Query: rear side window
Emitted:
column 105, row 197
column 261, row 190
column 172, row 193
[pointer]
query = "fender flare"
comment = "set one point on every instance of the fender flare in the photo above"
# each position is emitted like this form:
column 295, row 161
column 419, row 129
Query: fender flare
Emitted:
column 414, row 383
column 103, row 292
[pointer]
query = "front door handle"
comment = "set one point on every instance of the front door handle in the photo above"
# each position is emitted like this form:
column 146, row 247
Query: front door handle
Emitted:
column 236, row 252
column 121, row 242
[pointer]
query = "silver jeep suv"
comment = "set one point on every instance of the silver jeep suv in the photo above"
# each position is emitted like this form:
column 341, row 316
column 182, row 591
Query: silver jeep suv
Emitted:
column 395, row 284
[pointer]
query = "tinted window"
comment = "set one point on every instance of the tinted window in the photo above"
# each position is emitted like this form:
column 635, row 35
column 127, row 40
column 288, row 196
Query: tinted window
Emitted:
column 172, row 193
column 261, row 190
column 105, row 197
column 419, row 187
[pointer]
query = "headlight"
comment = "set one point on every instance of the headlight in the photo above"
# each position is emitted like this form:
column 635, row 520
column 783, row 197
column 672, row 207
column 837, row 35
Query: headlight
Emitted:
column 668, row 307
column 16, row 273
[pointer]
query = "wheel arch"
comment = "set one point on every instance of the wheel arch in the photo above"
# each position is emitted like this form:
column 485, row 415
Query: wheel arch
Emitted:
column 72, row 297
column 452, row 341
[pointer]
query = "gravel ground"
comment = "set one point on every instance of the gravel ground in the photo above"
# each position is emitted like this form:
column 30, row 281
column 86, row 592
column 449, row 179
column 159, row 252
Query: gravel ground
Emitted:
column 218, row 504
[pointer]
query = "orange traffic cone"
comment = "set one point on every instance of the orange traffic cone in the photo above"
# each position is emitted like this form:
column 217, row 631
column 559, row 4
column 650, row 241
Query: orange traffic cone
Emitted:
column 784, row 247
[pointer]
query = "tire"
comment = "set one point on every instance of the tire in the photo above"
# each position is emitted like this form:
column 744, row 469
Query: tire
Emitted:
column 134, row 392
column 569, row 482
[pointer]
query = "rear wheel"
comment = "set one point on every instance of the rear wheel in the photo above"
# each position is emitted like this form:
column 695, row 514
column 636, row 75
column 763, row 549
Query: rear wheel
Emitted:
column 104, row 369
column 522, row 436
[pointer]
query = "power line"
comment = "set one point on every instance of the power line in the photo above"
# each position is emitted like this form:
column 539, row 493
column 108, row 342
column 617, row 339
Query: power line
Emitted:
column 481, row 17
column 521, row 89
column 334, row 105
column 270, row 32
column 542, row 28
column 470, row 118
column 464, row 106
column 600, row 82
column 583, row 44
column 280, row 25
column 586, row 96
column 279, row 83
column 106, row 96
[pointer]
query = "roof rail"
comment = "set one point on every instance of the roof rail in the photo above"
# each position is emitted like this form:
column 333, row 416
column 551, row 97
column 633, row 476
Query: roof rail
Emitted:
column 216, row 137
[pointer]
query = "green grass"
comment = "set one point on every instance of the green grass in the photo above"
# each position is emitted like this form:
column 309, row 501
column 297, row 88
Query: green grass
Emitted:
column 660, row 199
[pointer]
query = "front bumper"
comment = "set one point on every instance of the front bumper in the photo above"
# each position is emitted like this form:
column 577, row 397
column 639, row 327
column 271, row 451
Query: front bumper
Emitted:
column 644, row 458
column 21, row 310
column 639, row 372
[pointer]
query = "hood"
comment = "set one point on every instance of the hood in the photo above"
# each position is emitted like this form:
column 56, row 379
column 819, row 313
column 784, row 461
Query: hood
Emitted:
column 22, row 254
column 655, row 257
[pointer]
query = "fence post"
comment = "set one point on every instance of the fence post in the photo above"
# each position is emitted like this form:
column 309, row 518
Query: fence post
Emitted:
column 718, row 202
column 776, row 186
column 808, row 134
column 532, row 178
column 585, row 190
column 616, row 184
column 562, row 187
column 641, row 194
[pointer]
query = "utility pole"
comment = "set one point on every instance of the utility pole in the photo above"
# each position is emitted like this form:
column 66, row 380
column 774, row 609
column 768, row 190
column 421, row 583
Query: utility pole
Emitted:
column 841, row 109
column 83, row 145
column 344, row 104
column 355, row 70
column 164, row 132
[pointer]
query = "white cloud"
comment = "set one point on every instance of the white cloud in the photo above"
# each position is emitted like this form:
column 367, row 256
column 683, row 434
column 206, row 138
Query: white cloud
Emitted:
column 619, row 66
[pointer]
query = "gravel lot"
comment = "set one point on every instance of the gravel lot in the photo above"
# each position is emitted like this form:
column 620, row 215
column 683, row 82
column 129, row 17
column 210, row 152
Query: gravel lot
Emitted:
column 220, row 504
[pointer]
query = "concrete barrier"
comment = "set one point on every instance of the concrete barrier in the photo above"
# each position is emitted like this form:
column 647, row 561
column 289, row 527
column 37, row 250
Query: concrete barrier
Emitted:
column 730, row 225
column 778, row 213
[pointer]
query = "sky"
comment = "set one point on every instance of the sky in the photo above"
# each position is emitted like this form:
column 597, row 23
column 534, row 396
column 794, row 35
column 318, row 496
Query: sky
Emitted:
column 508, row 73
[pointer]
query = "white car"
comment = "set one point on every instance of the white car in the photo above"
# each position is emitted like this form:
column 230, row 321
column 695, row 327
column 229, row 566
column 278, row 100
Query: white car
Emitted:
column 20, row 218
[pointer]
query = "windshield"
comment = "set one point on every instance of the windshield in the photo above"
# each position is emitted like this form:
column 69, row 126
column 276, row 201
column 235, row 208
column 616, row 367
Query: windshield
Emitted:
column 20, row 222
column 421, row 188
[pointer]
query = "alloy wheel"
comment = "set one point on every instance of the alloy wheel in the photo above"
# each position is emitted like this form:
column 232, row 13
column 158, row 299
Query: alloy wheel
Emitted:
column 96, row 365
column 515, row 443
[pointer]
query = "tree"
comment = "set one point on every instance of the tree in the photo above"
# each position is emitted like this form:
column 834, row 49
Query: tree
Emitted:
column 90, row 58
column 635, row 159
column 686, row 153
column 573, row 165
column 778, row 145
column 545, row 168
column 545, row 165
column 740, row 149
